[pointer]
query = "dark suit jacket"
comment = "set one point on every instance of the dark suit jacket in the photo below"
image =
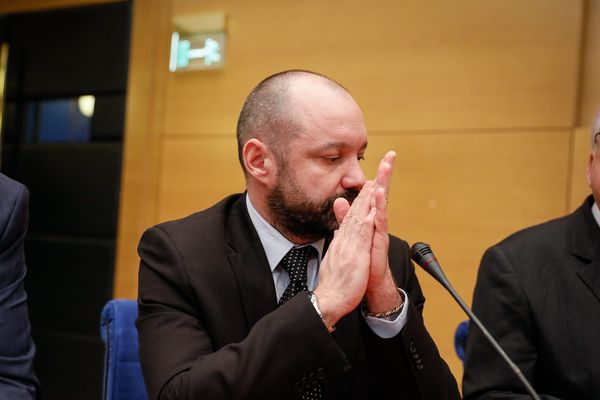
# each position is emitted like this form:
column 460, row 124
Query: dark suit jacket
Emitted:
column 209, row 326
column 17, row 380
column 538, row 293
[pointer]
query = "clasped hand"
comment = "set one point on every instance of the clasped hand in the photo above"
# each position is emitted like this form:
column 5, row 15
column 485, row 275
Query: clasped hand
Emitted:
column 356, row 263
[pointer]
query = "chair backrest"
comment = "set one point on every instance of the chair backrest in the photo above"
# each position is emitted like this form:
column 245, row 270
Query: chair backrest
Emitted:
column 122, row 371
column 460, row 339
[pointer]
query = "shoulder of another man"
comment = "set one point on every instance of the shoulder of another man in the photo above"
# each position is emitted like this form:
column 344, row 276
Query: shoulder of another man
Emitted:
column 14, row 198
column 10, row 189
column 546, row 234
column 543, row 245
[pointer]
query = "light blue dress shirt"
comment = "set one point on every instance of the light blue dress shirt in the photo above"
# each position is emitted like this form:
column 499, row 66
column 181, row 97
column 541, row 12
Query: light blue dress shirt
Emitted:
column 277, row 246
column 596, row 213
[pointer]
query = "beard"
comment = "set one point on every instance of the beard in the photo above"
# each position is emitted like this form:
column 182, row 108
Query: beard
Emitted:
column 296, row 215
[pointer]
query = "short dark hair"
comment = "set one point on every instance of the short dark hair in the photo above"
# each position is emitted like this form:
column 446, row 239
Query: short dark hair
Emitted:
column 266, row 113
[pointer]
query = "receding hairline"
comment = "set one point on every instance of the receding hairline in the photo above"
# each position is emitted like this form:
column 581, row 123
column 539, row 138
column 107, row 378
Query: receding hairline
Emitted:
column 291, row 75
column 267, row 111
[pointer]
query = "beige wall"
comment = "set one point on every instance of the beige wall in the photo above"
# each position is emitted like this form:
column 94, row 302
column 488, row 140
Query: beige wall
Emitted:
column 486, row 103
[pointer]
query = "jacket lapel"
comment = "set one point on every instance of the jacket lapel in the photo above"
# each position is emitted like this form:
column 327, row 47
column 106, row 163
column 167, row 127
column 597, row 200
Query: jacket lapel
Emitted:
column 249, row 263
column 585, row 246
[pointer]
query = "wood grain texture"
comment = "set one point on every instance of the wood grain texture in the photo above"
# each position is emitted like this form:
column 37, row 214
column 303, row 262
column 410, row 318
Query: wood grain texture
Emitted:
column 590, row 76
column 460, row 192
column 197, row 173
column 479, row 98
column 487, row 104
column 410, row 64
column 143, row 127
column 582, row 148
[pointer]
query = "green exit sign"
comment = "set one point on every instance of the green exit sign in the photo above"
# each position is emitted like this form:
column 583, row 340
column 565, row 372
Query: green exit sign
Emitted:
column 197, row 51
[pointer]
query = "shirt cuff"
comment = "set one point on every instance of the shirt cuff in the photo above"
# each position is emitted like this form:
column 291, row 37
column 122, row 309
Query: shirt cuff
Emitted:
column 388, row 328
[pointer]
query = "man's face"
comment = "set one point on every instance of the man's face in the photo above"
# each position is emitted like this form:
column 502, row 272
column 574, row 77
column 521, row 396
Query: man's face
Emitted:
column 296, row 211
column 593, row 173
column 319, row 164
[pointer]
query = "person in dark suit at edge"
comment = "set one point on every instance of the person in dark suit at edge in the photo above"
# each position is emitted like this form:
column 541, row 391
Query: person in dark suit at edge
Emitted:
column 17, row 351
column 538, row 293
column 292, row 290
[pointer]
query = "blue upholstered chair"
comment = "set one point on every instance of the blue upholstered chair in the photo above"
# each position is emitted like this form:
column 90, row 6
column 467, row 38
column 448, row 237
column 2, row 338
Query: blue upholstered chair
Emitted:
column 122, row 372
column 460, row 339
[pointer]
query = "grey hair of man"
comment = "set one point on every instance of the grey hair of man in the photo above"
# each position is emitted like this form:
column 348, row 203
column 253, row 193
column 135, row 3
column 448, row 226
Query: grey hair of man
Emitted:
column 268, row 112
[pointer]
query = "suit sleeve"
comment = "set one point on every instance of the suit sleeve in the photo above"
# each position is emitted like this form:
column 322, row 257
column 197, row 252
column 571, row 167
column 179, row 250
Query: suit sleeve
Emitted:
column 180, row 361
column 501, row 304
column 17, row 380
column 410, row 362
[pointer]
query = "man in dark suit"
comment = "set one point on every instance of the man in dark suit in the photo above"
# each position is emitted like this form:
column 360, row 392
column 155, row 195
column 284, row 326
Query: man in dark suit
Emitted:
column 255, row 298
column 538, row 293
column 17, row 380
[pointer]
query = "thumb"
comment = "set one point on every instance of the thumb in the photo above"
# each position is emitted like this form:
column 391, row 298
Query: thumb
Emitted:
column 340, row 209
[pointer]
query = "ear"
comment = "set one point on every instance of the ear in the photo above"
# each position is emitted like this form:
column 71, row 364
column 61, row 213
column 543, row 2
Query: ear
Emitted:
column 588, row 171
column 259, row 161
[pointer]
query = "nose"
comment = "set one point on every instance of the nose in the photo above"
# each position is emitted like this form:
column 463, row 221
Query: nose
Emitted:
column 354, row 178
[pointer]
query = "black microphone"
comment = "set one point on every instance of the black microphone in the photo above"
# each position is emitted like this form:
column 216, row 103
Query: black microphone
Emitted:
column 421, row 254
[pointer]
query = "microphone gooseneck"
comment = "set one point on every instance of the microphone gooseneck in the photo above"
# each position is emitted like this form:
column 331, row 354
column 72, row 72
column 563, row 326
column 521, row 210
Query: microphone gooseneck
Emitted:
column 421, row 254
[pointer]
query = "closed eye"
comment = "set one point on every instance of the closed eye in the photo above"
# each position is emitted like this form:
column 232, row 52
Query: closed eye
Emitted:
column 331, row 159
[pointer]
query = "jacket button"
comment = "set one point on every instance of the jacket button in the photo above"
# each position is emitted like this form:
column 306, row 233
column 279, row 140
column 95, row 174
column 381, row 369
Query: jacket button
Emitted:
column 412, row 346
column 420, row 366
column 305, row 383
column 320, row 373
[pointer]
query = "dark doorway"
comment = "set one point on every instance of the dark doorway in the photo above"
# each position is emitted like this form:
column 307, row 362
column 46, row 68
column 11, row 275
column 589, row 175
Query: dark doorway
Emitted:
column 62, row 136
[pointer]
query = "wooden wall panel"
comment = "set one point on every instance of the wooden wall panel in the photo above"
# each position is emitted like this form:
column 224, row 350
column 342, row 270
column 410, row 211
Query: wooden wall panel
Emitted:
column 486, row 102
column 479, row 98
column 590, row 76
column 195, row 174
column 463, row 192
column 143, row 127
column 460, row 192
column 410, row 64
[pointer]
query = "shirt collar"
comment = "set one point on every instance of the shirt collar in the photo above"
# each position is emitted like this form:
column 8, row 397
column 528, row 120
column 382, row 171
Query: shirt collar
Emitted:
column 275, row 244
column 596, row 213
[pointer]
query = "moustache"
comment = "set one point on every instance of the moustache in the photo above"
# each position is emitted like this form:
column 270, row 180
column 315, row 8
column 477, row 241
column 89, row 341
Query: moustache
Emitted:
column 348, row 194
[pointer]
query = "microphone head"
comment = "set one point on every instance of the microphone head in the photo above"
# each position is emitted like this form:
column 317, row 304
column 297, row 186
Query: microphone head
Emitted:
column 421, row 253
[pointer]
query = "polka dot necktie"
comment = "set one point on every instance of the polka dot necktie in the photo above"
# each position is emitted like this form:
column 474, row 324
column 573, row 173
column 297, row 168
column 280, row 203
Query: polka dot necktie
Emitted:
column 295, row 263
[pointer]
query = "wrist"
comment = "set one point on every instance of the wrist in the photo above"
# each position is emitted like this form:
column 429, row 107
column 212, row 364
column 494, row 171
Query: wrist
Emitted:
column 315, row 302
column 391, row 313
column 384, row 302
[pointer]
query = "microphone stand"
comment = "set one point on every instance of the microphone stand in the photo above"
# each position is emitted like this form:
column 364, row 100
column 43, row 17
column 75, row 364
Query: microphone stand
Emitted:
column 422, row 255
